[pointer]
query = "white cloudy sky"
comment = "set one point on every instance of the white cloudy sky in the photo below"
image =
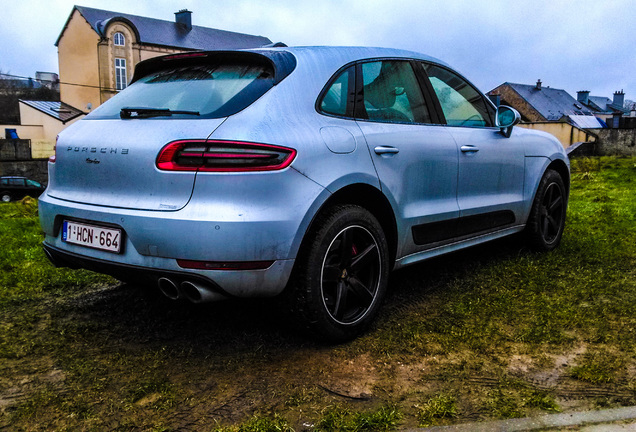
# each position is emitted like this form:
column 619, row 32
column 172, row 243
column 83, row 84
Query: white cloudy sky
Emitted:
column 574, row 45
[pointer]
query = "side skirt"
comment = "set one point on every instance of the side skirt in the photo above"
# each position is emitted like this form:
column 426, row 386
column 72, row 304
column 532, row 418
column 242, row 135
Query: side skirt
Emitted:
column 456, row 245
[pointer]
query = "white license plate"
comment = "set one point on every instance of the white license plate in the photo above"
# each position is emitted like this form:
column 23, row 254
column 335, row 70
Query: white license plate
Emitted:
column 108, row 239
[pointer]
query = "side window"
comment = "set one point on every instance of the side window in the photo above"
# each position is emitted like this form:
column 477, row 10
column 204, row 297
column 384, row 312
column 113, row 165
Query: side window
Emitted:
column 5, row 181
column 334, row 100
column 391, row 93
column 17, row 182
column 461, row 103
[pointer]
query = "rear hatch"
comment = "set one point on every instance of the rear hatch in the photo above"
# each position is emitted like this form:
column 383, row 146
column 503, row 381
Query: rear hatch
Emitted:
column 112, row 163
column 109, row 158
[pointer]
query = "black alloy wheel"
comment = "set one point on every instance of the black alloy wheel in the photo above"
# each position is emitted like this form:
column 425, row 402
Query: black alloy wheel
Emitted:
column 341, row 274
column 351, row 273
column 547, row 217
column 551, row 213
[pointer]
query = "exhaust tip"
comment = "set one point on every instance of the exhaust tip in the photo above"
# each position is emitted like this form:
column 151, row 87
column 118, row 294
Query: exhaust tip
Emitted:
column 198, row 293
column 169, row 288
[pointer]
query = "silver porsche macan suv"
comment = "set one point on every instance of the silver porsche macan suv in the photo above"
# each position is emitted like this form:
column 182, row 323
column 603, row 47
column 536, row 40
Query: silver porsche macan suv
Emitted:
column 310, row 172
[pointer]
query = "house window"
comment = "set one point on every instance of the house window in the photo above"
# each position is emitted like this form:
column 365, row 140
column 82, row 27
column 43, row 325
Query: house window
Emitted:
column 120, row 74
column 119, row 39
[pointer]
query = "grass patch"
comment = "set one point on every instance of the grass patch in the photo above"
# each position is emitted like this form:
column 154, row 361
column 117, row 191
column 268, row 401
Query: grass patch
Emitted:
column 337, row 418
column 25, row 272
column 598, row 367
column 496, row 331
column 438, row 407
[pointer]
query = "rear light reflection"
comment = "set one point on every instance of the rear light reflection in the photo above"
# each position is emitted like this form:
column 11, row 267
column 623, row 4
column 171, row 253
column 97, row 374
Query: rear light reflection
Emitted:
column 53, row 157
column 223, row 156
column 230, row 265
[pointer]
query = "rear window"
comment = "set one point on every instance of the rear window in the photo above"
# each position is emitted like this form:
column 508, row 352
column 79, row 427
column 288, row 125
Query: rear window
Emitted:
column 211, row 90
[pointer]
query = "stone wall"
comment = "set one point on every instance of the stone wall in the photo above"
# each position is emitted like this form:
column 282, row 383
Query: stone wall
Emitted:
column 616, row 142
column 36, row 169
column 15, row 159
column 15, row 149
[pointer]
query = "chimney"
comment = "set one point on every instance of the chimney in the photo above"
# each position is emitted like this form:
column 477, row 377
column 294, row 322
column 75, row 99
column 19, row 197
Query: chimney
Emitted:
column 619, row 98
column 583, row 96
column 538, row 87
column 184, row 18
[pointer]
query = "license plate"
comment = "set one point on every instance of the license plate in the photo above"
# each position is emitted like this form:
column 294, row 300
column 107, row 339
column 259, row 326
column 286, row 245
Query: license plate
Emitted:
column 108, row 239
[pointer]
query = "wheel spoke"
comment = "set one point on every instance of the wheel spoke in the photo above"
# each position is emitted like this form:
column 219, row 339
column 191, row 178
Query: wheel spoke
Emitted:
column 361, row 290
column 548, row 194
column 552, row 223
column 341, row 300
column 544, row 226
column 358, row 260
column 555, row 204
column 345, row 249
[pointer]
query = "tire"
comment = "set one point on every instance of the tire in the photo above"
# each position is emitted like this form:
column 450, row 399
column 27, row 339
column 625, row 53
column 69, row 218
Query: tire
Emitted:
column 547, row 217
column 341, row 274
column 5, row 197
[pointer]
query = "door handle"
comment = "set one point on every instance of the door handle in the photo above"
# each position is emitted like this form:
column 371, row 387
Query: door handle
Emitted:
column 385, row 150
column 469, row 149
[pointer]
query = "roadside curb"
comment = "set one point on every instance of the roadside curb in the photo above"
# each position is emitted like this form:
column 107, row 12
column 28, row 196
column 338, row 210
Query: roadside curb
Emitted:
column 542, row 422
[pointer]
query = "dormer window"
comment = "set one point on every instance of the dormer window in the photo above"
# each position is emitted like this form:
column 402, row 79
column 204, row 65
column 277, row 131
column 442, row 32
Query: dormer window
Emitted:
column 119, row 39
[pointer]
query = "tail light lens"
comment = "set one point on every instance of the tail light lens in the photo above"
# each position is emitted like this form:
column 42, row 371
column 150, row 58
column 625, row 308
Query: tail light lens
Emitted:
column 223, row 156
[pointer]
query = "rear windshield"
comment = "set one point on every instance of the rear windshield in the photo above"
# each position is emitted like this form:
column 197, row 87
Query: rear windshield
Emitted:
column 204, row 91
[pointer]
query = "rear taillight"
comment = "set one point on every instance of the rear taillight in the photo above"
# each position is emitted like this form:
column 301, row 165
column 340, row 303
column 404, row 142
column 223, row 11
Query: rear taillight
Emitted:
column 223, row 156
column 54, row 156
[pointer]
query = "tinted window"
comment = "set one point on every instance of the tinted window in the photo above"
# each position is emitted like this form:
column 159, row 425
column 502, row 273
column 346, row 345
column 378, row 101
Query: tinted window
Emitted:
column 212, row 90
column 461, row 103
column 16, row 181
column 334, row 101
column 392, row 93
column 33, row 183
column 5, row 181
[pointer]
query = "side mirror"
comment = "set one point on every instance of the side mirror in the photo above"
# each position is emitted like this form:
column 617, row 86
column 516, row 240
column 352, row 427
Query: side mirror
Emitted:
column 506, row 118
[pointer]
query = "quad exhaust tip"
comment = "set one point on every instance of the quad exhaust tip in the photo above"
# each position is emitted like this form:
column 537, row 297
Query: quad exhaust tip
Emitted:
column 198, row 293
column 193, row 291
column 169, row 289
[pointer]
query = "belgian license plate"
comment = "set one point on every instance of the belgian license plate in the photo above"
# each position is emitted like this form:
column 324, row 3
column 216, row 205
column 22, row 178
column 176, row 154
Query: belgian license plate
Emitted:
column 108, row 239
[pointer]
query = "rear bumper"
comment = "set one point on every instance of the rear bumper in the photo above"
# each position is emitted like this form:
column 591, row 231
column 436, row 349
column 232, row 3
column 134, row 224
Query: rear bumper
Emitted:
column 231, row 224
column 244, row 283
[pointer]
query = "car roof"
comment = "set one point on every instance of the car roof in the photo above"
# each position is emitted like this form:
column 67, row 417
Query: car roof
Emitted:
column 353, row 53
column 287, row 58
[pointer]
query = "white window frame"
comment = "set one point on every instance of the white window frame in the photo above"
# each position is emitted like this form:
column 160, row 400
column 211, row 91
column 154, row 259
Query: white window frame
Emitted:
column 119, row 39
column 121, row 77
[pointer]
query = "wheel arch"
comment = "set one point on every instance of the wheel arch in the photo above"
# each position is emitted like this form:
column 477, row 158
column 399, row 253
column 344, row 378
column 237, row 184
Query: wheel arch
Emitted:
column 562, row 169
column 371, row 199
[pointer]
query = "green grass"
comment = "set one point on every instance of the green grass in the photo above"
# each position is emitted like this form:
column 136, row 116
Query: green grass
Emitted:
column 496, row 331
column 25, row 273
column 438, row 407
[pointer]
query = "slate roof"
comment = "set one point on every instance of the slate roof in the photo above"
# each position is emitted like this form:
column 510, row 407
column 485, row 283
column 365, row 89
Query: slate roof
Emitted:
column 586, row 121
column 168, row 33
column 551, row 103
column 58, row 110
column 599, row 103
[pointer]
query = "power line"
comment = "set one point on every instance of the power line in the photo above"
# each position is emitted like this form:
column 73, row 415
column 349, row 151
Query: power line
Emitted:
column 56, row 82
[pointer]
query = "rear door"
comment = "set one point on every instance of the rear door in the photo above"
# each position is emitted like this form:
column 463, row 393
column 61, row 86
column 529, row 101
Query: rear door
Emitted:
column 416, row 161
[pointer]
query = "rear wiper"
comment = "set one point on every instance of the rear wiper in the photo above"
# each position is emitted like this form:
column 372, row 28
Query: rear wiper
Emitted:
column 128, row 113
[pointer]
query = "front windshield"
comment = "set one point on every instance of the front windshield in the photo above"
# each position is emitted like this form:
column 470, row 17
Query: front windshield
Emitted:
column 211, row 90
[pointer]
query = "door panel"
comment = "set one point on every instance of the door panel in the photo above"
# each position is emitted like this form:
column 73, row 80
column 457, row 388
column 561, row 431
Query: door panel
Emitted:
column 419, row 176
column 491, row 172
